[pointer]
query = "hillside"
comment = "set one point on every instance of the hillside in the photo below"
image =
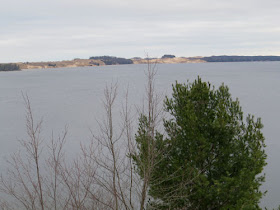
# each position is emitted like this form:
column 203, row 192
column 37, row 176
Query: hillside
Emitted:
column 104, row 60
column 61, row 64
column 111, row 60
column 169, row 60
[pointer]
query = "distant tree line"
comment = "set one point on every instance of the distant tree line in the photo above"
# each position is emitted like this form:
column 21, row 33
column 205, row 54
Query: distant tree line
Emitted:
column 225, row 58
column 110, row 60
column 52, row 64
column 168, row 56
column 9, row 67
column 136, row 58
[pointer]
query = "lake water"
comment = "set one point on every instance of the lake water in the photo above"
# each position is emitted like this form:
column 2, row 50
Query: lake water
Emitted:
column 72, row 96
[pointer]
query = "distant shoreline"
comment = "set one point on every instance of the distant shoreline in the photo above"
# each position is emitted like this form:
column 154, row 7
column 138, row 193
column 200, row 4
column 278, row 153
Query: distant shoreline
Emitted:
column 102, row 62
column 110, row 60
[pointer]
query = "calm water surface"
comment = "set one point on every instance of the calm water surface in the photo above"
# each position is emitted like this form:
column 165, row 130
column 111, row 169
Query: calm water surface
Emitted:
column 72, row 96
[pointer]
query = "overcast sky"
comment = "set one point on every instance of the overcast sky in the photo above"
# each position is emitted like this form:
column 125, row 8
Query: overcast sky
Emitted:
column 48, row 30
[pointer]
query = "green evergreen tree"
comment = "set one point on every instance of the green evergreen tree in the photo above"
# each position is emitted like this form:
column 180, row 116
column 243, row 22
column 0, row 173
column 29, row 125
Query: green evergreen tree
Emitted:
column 213, row 159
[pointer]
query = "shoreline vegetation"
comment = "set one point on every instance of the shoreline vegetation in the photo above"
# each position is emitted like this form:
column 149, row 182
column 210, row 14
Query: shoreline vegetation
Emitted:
column 111, row 60
column 9, row 67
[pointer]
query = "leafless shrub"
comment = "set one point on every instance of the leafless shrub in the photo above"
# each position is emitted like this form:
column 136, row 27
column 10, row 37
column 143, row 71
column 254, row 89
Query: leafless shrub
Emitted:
column 26, row 182
column 111, row 150
column 104, row 176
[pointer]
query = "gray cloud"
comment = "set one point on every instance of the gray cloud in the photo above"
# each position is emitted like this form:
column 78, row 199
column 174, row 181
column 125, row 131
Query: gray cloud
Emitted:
column 34, row 30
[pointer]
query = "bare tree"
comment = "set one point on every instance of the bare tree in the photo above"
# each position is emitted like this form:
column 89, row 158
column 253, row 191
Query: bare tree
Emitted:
column 105, row 152
column 113, row 147
column 54, row 163
column 26, row 182
column 104, row 176
column 153, row 112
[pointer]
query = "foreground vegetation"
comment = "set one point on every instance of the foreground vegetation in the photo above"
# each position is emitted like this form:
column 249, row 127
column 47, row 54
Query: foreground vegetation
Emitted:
column 203, row 156
column 210, row 159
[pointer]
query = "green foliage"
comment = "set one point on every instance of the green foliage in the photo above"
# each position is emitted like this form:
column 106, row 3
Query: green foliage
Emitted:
column 148, row 146
column 212, row 158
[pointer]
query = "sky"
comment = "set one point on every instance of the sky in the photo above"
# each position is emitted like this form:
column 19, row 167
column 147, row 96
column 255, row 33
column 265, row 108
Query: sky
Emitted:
column 51, row 30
